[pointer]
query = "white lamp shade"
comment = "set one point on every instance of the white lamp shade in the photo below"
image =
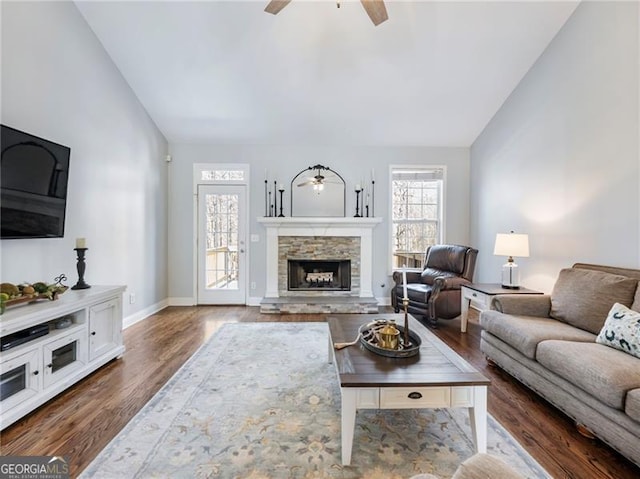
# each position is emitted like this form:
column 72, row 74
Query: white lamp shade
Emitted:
column 512, row 244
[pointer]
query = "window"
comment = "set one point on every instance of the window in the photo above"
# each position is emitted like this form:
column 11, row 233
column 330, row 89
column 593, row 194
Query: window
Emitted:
column 222, row 175
column 417, row 206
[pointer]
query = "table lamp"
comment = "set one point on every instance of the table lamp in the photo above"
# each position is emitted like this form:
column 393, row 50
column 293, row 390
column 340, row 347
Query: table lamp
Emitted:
column 511, row 244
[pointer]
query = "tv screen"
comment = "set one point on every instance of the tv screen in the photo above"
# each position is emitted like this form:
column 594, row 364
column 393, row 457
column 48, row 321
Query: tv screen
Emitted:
column 33, row 185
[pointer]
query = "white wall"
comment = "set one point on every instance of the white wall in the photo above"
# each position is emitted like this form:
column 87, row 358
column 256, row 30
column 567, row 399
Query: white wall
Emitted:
column 560, row 160
column 283, row 162
column 59, row 83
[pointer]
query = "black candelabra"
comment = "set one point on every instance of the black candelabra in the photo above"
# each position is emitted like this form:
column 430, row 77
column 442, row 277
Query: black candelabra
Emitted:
column 373, row 197
column 281, row 191
column 266, row 201
column 80, row 266
column 358, row 215
column 275, row 199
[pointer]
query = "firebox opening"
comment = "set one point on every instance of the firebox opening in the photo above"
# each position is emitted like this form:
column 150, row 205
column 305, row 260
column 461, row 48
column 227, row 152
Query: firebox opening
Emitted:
column 314, row 275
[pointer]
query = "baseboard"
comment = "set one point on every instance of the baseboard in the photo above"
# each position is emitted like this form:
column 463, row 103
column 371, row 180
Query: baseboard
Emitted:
column 384, row 301
column 254, row 300
column 144, row 313
column 182, row 301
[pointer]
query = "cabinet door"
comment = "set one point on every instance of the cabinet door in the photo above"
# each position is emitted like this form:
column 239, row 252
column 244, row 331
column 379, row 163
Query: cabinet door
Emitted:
column 19, row 379
column 64, row 356
column 104, row 328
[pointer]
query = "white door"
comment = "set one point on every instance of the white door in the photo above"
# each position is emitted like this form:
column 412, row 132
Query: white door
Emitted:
column 221, row 244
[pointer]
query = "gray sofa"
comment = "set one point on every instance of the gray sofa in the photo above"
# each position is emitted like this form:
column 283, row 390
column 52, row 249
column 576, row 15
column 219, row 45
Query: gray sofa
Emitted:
column 548, row 342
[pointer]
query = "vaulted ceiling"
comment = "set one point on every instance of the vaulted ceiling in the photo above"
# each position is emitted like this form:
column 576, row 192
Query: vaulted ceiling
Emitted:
column 228, row 73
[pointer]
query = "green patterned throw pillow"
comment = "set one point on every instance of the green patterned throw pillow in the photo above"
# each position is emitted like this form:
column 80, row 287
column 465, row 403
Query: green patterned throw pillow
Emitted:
column 621, row 330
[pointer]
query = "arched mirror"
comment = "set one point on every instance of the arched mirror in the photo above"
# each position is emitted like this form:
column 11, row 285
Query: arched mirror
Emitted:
column 318, row 191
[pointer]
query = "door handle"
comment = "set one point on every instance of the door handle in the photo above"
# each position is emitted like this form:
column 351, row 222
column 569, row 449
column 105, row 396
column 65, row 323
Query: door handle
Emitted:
column 242, row 250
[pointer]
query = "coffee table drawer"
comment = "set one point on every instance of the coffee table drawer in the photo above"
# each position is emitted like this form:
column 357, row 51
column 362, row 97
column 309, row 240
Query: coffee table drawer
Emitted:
column 410, row 398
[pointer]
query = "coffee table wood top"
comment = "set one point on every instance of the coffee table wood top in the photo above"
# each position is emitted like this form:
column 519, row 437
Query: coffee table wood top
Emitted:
column 436, row 364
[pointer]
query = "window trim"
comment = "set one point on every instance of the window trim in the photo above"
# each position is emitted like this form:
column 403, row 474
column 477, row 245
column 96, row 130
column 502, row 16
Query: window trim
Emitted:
column 198, row 168
column 443, row 205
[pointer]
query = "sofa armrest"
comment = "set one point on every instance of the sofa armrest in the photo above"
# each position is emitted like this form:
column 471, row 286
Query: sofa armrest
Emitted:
column 523, row 304
column 413, row 276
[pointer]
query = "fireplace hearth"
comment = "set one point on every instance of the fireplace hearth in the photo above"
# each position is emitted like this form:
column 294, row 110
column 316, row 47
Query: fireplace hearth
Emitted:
column 319, row 275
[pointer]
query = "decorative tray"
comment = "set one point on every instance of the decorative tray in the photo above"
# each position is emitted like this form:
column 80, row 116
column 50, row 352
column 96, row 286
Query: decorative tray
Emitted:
column 30, row 298
column 369, row 340
column 13, row 295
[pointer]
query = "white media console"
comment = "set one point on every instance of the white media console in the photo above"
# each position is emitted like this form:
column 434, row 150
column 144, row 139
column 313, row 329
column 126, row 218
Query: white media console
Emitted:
column 80, row 332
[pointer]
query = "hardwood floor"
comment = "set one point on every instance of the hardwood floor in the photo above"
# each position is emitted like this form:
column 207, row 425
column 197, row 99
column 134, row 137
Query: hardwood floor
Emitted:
column 80, row 422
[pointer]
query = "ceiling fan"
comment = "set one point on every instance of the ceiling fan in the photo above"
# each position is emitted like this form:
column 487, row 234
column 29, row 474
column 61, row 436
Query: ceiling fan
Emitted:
column 375, row 9
column 318, row 180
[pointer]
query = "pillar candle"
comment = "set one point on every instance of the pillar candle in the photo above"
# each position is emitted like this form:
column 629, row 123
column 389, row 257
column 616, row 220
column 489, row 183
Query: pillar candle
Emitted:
column 404, row 284
column 81, row 243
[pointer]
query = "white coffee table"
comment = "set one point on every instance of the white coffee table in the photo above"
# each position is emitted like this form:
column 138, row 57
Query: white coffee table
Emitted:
column 436, row 378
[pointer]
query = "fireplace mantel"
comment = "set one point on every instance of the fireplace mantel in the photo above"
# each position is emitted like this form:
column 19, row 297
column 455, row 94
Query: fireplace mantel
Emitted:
column 313, row 222
column 339, row 226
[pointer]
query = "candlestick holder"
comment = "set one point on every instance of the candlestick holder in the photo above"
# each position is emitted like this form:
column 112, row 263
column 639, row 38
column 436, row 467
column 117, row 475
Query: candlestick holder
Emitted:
column 266, row 201
column 357, row 215
column 405, row 305
column 275, row 199
column 281, row 215
column 80, row 266
column 373, row 198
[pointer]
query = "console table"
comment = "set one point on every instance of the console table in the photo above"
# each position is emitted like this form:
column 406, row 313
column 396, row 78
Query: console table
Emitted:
column 481, row 294
column 66, row 340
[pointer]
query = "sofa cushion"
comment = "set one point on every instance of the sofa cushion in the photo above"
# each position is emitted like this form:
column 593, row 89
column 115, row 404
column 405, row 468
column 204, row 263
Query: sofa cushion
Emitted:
column 583, row 297
column 632, row 404
column 484, row 466
column 523, row 333
column 621, row 330
column 604, row 373
column 418, row 292
column 636, row 302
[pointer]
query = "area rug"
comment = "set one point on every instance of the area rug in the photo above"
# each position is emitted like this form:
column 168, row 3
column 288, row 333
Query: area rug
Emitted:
column 261, row 401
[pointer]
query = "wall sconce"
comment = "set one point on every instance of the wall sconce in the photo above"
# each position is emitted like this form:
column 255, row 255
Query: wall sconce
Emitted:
column 511, row 244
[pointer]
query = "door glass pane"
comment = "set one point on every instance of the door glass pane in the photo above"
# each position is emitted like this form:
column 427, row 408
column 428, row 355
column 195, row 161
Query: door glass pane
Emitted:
column 222, row 241
column 13, row 382
column 63, row 356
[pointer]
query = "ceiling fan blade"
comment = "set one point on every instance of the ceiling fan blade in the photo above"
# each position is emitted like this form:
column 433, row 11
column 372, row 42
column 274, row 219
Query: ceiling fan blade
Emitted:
column 275, row 6
column 376, row 10
column 305, row 183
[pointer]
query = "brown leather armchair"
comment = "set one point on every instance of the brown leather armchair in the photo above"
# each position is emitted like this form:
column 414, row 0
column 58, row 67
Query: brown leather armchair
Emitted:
column 435, row 292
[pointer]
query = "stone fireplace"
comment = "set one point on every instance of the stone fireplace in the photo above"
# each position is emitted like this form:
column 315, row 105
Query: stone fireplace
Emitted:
column 317, row 265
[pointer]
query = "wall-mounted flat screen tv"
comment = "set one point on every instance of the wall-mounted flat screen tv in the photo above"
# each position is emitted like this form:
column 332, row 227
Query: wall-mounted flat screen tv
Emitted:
column 33, row 185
